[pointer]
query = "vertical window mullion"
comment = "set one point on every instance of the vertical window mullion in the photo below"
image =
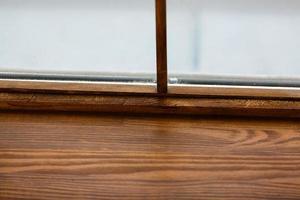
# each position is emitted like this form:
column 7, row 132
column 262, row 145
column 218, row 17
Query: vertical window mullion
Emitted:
column 161, row 46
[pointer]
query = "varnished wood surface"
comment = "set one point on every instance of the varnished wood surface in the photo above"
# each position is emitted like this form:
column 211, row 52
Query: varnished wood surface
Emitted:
column 161, row 46
column 76, row 87
column 234, row 91
column 179, row 90
column 81, row 156
column 143, row 99
column 146, row 105
column 147, row 89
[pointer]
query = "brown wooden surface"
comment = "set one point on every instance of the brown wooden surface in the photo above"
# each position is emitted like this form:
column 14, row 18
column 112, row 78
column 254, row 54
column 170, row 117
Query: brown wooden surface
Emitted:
column 149, row 104
column 179, row 90
column 76, row 87
column 234, row 91
column 142, row 98
column 161, row 46
column 81, row 156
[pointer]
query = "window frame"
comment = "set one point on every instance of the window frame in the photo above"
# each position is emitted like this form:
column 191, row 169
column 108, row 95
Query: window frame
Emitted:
column 159, row 98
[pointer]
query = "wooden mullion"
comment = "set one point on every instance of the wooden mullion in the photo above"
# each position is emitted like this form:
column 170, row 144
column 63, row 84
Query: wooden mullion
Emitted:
column 161, row 46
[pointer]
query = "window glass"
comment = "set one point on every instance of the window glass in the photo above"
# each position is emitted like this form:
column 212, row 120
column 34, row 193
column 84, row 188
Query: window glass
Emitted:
column 248, row 40
column 94, row 37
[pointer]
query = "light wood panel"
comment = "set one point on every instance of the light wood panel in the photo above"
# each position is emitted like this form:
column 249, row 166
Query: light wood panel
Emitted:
column 81, row 156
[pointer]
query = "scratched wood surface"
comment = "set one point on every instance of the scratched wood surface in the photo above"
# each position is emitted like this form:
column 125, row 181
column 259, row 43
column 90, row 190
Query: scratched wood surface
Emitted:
column 81, row 156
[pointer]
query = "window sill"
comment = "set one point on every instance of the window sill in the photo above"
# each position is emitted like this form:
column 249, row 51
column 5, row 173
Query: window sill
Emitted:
column 143, row 99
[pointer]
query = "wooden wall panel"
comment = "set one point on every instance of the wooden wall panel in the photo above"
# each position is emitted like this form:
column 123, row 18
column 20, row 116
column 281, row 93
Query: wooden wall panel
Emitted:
column 72, row 156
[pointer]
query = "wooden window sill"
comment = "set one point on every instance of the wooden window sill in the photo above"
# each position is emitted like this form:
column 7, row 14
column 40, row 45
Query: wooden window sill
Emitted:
column 143, row 99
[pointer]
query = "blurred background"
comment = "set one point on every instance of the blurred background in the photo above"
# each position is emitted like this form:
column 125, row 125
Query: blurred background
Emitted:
column 256, row 38
column 84, row 36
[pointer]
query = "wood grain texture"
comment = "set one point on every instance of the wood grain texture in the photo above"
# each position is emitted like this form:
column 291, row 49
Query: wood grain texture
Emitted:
column 143, row 99
column 234, row 91
column 147, row 89
column 146, row 105
column 76, row 87
column 81, row 156
column 161, row 46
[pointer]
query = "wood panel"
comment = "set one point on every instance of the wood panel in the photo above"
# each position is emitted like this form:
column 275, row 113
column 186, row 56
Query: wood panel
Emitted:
column 72, row 156
column 146, row 105
column 147, row 89
column 76, row 87
column 142, row 98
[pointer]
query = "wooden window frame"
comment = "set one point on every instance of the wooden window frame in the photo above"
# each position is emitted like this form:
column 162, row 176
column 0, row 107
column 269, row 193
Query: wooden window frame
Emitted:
column 159, row 98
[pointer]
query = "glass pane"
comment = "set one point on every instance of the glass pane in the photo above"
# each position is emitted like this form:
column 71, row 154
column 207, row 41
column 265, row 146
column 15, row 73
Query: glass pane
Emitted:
column 93, row 37
column 250, row 39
